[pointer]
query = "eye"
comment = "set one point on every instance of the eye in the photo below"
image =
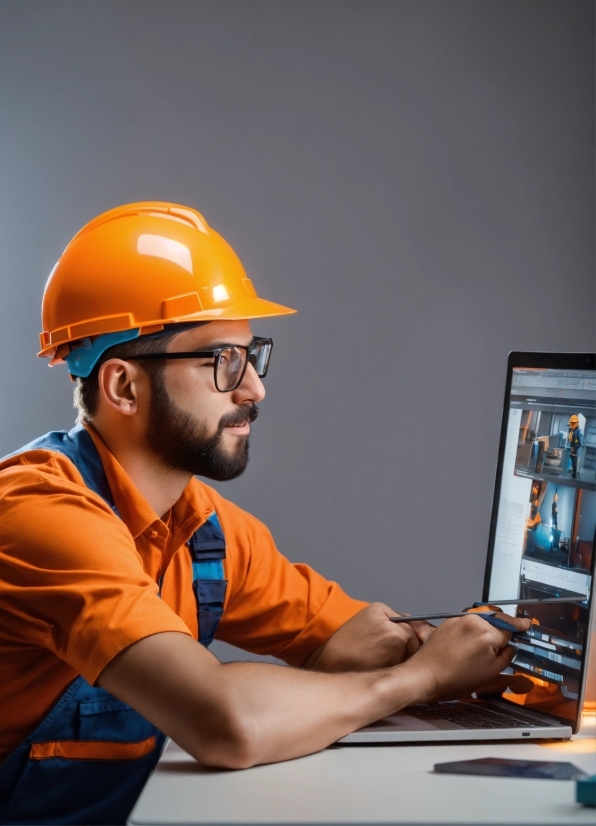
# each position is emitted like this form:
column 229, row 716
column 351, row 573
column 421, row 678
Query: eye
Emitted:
column 225, row 357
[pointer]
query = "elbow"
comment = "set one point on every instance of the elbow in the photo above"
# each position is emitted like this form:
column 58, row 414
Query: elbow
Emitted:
column 231, row 743
column 231, row 753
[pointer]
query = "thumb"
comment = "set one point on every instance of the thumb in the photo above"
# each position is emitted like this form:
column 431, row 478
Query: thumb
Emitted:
column 505, row 656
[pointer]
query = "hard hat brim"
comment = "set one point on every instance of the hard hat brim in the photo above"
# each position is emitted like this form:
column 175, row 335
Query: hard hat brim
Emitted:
column 237, row 311
column 241, row 310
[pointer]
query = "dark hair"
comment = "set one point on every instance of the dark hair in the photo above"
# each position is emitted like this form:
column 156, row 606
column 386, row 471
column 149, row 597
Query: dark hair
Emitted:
column 86, row 393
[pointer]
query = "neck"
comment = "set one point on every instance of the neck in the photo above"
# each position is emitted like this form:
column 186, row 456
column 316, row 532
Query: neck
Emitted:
column 159, row 485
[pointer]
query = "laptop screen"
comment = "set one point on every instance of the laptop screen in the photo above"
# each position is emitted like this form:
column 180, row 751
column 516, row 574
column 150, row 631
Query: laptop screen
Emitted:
column 544, row 524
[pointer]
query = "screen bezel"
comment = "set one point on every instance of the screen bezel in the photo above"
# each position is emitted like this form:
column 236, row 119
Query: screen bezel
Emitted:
column 546, row 361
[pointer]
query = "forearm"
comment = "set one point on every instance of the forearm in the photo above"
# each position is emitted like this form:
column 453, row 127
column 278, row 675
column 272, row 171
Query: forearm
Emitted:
column 240, row 714
column 292, row 712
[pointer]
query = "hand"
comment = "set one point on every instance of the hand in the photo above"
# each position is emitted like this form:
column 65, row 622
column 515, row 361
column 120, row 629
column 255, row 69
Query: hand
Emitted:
column 462, row 655
column 369, row 641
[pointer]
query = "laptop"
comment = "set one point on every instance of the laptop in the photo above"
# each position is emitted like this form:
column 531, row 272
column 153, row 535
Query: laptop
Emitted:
column 541, row 545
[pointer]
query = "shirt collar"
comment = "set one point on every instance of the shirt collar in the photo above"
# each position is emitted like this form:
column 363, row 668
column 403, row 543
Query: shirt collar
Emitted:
column 191, row 510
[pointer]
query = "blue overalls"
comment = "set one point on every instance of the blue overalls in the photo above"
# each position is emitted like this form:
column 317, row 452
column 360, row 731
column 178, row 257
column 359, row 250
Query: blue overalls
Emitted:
column 46, row 779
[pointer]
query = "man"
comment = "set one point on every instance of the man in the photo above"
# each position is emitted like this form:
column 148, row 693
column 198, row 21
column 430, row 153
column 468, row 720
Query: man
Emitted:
column 533, row 520
column 554, row 521
column 574, row 441
column 115, row 559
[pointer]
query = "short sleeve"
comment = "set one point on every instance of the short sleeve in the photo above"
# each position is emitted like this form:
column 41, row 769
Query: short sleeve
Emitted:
column 275, row 606
column 71, row 578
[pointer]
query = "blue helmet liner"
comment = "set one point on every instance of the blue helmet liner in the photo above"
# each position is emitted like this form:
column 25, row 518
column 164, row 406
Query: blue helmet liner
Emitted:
column 82, row 359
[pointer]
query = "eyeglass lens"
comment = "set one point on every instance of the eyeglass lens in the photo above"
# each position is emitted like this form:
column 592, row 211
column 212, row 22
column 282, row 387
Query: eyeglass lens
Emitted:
column 259, row 357
column 231, row 364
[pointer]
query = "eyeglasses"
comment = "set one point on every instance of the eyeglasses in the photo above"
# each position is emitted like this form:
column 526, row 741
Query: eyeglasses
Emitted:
column 230, row 361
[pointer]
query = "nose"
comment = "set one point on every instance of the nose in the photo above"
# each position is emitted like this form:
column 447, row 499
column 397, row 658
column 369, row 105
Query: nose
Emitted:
column 250, row 389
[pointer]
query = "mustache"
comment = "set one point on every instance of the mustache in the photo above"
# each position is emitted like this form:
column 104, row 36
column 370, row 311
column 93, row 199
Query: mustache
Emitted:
column 245, row 413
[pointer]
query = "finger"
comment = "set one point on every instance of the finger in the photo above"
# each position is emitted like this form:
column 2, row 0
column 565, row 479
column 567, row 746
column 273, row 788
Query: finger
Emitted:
column 498, row 637
column 521, row 623
column 405, row 636
column 494, row 687
column 422, row 629
column 412, row 645
column 518, row 684
column 505, row 656
column 515, row 683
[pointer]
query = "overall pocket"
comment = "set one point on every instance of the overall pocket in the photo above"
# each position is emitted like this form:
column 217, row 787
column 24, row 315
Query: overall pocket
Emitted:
column 93, row 778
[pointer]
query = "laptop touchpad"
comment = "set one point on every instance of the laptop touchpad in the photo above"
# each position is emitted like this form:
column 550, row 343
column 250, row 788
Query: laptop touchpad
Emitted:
column 405, row 722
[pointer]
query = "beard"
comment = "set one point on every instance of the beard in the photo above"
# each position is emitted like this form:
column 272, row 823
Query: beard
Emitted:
column 183, row 442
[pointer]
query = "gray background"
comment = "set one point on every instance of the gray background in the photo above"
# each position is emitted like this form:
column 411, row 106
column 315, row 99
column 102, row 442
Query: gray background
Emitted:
column 415, row 176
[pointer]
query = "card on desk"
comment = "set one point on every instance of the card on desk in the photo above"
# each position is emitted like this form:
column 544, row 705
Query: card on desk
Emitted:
column 500, row 767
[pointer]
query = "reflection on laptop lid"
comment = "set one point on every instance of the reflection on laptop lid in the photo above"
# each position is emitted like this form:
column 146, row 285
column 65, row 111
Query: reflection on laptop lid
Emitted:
column 543, row 526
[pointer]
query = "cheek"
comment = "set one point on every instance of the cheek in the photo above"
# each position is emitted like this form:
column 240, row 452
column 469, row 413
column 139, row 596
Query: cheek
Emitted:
column 187, row 383
column 208, row 411
column 193, row 391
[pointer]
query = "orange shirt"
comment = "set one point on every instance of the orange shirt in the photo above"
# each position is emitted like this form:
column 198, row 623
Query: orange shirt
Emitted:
column 78, row 584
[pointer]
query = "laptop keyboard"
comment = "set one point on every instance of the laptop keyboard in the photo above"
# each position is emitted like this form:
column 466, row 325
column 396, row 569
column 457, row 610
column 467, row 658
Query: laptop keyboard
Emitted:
column 472, row 715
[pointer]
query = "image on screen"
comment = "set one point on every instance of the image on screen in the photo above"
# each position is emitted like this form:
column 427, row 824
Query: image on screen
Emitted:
column 546, row 527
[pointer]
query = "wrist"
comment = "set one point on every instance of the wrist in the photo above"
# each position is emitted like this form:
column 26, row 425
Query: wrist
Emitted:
column 417, row 683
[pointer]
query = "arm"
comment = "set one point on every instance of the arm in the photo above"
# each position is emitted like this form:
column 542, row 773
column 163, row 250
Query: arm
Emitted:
column 237, row 715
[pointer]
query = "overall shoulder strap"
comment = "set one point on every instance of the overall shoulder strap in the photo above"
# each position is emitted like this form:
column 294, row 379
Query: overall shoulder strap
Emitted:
column 207, row 548
column 207, row 545
column 77, row 445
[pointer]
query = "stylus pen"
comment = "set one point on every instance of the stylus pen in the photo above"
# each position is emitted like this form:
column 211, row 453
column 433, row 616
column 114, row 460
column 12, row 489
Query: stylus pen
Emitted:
column 489, row 616
column 529, row 601
column 570, row 600
column 483, row 614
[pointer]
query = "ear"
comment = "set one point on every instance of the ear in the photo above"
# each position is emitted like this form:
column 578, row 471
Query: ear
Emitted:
column 120, row 384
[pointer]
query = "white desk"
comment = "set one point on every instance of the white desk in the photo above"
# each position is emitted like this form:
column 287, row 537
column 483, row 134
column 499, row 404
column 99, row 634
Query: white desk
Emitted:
column 368, row 784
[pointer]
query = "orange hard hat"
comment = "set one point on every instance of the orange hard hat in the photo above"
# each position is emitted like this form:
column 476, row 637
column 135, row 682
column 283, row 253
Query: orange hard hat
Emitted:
column 139, row 267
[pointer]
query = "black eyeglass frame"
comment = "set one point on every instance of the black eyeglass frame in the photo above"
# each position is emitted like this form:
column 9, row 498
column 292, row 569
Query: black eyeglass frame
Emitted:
column 249, row 349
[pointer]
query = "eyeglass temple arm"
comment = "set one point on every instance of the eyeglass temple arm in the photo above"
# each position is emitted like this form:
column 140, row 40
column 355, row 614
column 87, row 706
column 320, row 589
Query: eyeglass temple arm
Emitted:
column 194, row 355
